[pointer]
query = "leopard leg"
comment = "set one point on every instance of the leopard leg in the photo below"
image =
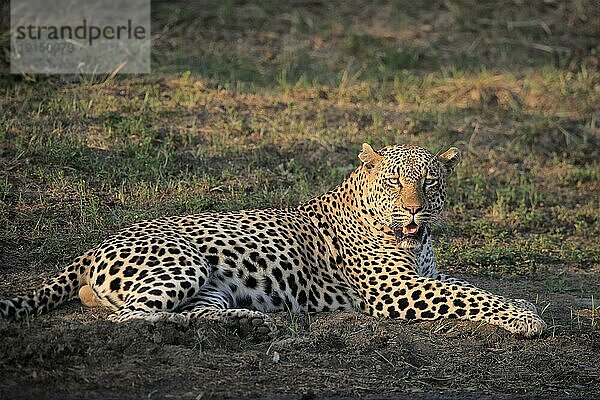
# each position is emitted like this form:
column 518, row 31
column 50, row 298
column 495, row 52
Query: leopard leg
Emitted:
column 212, row 304
column 240, row 320
column 152, row 293
column 427, row 268
column 519, row 303
column 420, row 298
column 131, row 313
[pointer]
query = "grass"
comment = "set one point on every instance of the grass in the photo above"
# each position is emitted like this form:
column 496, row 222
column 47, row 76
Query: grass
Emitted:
column 271, row 119
column 586, row 319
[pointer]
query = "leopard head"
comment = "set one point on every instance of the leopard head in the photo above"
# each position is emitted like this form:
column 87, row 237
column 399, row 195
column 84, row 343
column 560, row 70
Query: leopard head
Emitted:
column 405, row 188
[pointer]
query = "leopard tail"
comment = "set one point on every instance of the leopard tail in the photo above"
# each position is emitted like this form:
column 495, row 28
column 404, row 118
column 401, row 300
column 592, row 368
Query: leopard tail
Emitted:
column 56, row 291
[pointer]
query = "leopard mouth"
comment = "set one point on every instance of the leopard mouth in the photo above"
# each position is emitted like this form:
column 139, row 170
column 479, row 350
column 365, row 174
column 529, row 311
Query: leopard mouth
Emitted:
column 411, row 231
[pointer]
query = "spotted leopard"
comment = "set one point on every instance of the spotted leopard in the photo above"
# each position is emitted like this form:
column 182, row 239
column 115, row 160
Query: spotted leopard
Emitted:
column 365, row 245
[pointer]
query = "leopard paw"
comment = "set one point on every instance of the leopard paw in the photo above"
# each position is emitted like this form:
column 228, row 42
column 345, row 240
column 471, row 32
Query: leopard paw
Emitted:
column 528, row 324
column 247, row 322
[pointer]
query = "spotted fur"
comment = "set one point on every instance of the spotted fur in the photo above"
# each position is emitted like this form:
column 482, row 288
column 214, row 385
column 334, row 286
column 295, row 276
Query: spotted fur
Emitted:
column 364, row 245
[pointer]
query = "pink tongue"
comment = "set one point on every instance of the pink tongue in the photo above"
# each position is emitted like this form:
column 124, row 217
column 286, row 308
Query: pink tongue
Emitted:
column 411, row 229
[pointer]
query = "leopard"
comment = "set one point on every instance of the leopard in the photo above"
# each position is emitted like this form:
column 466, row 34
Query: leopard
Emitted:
column 366, row 245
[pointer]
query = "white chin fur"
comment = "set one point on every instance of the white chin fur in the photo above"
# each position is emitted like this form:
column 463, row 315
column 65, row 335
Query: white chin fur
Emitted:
column 409, row 243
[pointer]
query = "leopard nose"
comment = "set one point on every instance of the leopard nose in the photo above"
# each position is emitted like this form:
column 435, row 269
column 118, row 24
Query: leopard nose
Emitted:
column 413, row 209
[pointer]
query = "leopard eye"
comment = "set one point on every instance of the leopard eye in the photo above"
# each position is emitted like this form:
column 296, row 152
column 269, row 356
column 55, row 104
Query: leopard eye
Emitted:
column 393, row 181
column 429, row 182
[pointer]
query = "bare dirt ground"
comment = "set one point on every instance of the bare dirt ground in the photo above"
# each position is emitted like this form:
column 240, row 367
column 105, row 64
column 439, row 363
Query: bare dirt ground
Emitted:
column 74, row 353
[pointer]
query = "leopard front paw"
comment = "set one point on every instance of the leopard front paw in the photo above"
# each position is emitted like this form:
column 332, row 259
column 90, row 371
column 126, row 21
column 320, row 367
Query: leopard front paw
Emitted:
column 528, row 324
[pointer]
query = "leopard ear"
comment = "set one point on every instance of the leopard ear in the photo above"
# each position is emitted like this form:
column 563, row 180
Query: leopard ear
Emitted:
column 369, row 157
column 450, row 158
